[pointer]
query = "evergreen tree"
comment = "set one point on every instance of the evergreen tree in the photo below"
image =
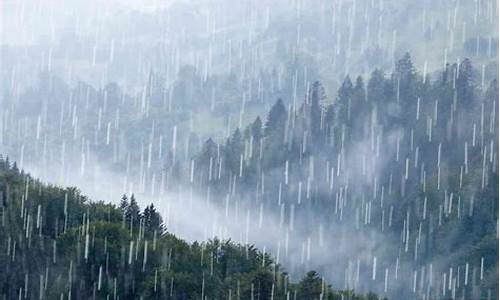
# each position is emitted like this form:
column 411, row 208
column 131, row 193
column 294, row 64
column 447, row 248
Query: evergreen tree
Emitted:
column 209, row 150
column 152, row 220
column 124, row 203
column 465, row 84
column 329, row 123
column 343, row 102
column 310, row 287
column 375, row 88
column 317, row 94
column 132, row 213
column 275, row 125
column 209, row 155
column 256, row 129
column 359, row 109
column 233, row 151
column 406, row 84
column 123, row 208
column 404, row 71
column 274, row 133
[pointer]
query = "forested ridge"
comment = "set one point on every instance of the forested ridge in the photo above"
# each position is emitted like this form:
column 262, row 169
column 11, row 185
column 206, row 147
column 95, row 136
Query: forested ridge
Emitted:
column 407, row 161
column 58, row 244
column 390, row 185
column 250, row 149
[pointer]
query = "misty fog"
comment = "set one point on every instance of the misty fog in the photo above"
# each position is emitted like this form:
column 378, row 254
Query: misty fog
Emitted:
column 120, row 97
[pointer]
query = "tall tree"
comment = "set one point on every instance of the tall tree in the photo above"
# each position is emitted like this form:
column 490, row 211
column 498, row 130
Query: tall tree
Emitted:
column 274, row 133
column 124, row 203
column 465, row 84
column 405, row 71
column 256, row 131
column 343, row 101
column 152, row 220
column 375, row 88
column 359, row 109
column 132, row 213
column 233, row 151
column 310, row 287
column 404, row 80
column 275, row 125
column 316, row 95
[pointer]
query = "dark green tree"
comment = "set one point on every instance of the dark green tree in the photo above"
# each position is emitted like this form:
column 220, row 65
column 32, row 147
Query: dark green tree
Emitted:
column 465, row 84
column 316, row 95
column 343, row 101
column 124, row 203
column 132, row 213
column 310, row 287
column 233, row 151
column 274, row 133
column 375, row 88
column 152, row 220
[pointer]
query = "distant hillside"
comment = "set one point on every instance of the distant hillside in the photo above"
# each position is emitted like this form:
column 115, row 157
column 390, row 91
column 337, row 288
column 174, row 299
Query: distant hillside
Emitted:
column 391, row 188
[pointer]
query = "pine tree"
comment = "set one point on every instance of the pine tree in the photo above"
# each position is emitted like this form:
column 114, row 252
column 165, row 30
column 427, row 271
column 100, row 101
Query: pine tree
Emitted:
column 465, row 84
column 132, row 213
column 124, row 203
column 233, row 151
column 274, row 133
column 209, row 150
column 404, row 81
column 375, row 88
column 152, row 220
column 310, row 287
column 275, row 125
column 359, row 109
column 256, row 129
column 405, row 71
column 329, row 123
column 343, row 101
column 317, row 94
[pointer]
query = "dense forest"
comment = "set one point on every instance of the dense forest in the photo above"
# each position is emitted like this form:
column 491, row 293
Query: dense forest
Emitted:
column 57, row 244
column 407, row 161
column 250, row 149
column 395, row 182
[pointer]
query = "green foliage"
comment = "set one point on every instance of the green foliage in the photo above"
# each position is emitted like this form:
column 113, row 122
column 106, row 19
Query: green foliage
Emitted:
column 89, row 253
column 419, row 156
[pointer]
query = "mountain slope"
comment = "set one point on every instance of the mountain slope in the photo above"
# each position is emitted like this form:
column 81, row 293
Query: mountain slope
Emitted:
column 56, row 243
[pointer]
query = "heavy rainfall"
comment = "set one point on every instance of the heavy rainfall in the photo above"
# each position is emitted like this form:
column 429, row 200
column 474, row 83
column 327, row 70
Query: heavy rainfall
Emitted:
column 277, row 149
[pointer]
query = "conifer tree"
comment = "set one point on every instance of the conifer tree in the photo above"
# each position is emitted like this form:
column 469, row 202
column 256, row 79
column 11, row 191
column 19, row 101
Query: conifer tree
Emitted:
column 343, row 101
column 274, row 132
column 124, row 203
column 152, row 220
column 465, row 84
column 132, row 213
column 310, row 287
column 317, row 94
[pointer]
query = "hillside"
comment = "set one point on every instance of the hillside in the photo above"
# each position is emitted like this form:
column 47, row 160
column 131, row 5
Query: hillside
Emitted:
column 249, row 149
column 393, row 187
column 58, row 244
column 390, row 187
